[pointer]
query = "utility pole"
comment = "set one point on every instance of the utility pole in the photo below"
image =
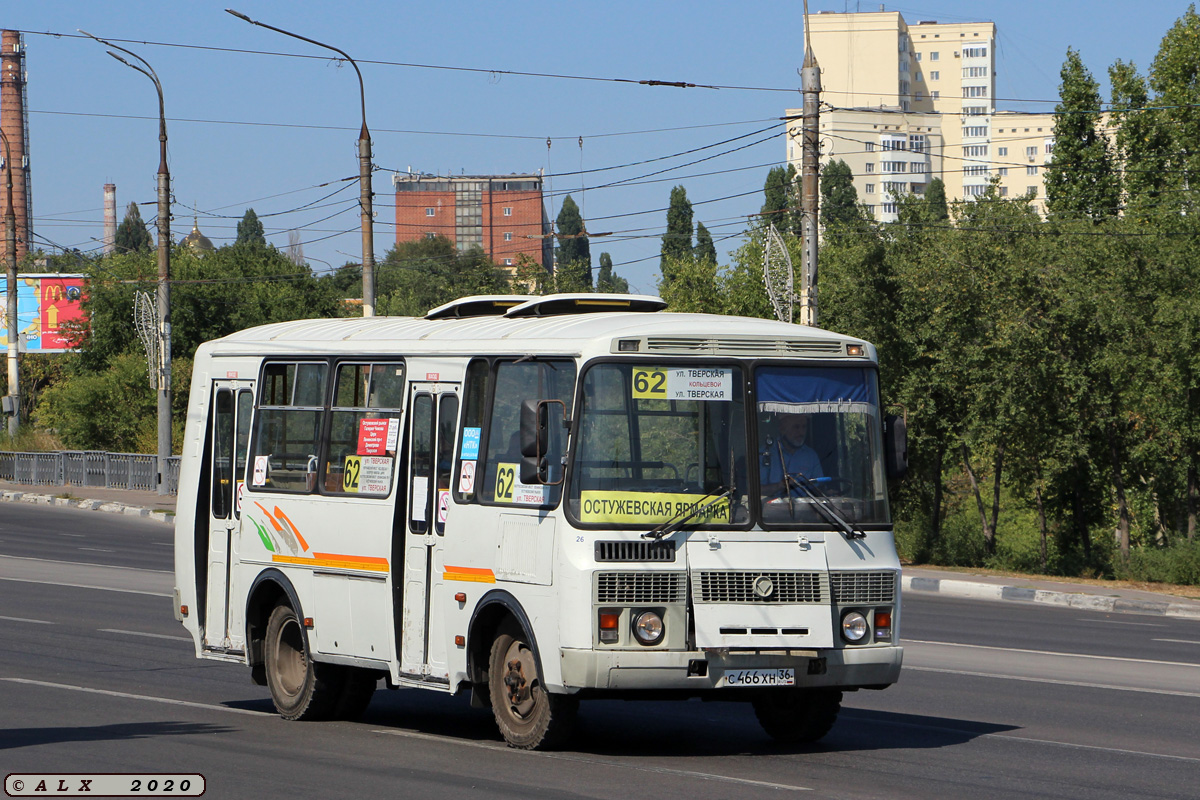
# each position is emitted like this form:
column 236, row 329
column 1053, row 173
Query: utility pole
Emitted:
column 10, row 258
column 164, row 268
column 364, row 168
column 810, row 141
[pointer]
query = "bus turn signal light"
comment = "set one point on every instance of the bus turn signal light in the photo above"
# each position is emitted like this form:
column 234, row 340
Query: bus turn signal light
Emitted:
column 609, row 622
column 883, row 625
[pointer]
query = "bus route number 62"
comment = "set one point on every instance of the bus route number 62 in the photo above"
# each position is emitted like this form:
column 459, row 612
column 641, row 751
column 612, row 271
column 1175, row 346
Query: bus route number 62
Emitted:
column 650, row 384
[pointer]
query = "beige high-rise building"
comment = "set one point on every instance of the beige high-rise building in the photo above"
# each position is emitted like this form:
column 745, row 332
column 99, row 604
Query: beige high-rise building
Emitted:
column 904, row 104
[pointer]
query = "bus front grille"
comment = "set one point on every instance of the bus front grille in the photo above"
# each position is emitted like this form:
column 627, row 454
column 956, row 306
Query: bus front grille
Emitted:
column 762, row 587
column 863, row 587
column 641, row 587
column 635, row 551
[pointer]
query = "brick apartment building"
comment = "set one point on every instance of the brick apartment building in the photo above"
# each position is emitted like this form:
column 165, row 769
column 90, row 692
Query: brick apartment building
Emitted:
column 503, row 214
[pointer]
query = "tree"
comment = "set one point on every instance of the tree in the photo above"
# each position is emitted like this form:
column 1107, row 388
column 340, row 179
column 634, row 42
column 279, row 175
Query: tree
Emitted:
column 417, row 276
column 705, row 251
column 936, row 209
column 250, row 230
column 1081, row 180
column 677, row 241
column 573, row 253
column 132, row 235
column 1175, row 79
column 782, row 204
column 607, row 280
column 839, row 198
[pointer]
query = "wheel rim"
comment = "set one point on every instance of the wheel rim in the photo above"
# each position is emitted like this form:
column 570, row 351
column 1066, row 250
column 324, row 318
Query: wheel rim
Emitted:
column 520, row 680
column 291, row 666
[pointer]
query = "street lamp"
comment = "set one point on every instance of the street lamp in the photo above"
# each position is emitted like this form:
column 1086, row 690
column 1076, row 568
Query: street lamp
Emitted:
column 364, row 168
column 10, row 257
column 164, row 267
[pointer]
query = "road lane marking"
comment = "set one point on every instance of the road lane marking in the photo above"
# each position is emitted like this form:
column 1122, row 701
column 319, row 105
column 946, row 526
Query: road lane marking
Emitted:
column 1121, row 622
column 967, row 731
column 501, row 748
column 96, row 549
column 126, row 695
column 1055, row 653
column 35, row 621
column 1176, row 641
column 1054, row 681
column 88, row 586
column 73, row 535
column 151, row 635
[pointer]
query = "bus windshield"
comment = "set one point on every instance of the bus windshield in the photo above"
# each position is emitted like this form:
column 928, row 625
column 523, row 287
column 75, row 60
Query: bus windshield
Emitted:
column 819, row 443
column 658, row 443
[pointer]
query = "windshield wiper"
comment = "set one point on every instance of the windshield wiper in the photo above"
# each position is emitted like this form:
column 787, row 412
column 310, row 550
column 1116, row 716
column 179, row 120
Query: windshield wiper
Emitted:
column 820, row 503
column 681, row 519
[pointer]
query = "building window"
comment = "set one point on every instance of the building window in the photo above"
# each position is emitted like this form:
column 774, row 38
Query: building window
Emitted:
column 973, row 191
column 1004, row 191
column 870, row 189
column 1031, row 170
column 975, row 150
column 1003, row 171
column 1031, row 191
column 894, row 187
column 429, row 212
column 903, row 87
column 1031, row 151
column 870, row 147
column 975, row 91
column 890, row 208
column 893, row 166
column 975, row 131
column 917, row 188
column 904, row 65
column 508, row 236
column 508, row 262
column 975, row 169
column 508, row 211
column 916, row 142
column 430, row 235
column 974, row 72
column 974, row 52
column 894, row 144
column 935, row 95
column 934, row 75
column 917, row 167
column 870, row 167
column 918, row 56
column 1002, row 151
column 934, row 56
column 1049, row 148
column 975, row 111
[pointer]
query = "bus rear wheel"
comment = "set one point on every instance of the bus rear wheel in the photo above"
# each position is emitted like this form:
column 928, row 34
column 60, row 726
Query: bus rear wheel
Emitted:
column 301, row 688
column 798, row 716
column 528, row 716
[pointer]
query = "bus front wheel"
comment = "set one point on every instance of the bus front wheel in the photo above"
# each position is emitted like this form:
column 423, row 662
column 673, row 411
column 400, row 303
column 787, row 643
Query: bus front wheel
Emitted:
column 798, row 716
column 528, row 716
column 301, row 688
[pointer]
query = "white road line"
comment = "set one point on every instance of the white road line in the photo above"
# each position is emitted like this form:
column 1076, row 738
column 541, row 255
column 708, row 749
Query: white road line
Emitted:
column 96, row 549
column 166, row 700
column 1120, row 622
column 35, row 621
column 150, row 635
column 1054, row 653
column 1010, row 737
column 1176, row 641
column 73, row 535
column 1054, row 681
column 683, row 773
column 87, row 586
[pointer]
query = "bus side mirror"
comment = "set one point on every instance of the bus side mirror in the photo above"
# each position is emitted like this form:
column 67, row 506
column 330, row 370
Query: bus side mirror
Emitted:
column 895, row 446
column 536, row 431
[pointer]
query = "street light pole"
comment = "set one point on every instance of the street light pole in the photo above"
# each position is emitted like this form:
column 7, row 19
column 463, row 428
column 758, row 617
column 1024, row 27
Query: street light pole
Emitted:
column 10, row 258
column 164, row 267
column 364, row 168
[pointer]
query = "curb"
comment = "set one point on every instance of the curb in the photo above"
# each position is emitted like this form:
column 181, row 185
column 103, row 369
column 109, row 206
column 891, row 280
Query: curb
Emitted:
column 87, row 505
column 975, row 590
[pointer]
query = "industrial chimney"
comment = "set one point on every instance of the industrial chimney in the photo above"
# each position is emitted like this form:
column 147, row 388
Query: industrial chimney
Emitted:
column 15, row 123
column 110, row 217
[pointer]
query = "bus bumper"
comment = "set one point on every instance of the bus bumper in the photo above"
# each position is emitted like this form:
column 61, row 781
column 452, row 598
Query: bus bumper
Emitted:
column 699, row 670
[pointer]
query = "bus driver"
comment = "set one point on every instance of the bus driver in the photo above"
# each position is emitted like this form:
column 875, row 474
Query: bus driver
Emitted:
column 796, row 456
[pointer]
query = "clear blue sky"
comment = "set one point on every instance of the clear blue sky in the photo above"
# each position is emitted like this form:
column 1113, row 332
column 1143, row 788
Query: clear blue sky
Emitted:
column 265, row 131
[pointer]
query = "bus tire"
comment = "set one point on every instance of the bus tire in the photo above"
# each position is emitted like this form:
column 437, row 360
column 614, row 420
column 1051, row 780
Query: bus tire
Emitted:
column 798, row 716
column 358, row 686
column 302, row 689
column 529, row 717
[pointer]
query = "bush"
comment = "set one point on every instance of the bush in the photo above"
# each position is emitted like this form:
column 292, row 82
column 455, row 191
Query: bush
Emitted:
column 1179, row 563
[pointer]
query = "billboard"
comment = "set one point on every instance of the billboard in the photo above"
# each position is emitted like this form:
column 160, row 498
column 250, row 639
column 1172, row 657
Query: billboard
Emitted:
column 45, row 303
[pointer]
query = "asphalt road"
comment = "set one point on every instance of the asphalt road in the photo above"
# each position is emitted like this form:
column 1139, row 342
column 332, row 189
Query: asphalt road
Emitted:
column 997, row 700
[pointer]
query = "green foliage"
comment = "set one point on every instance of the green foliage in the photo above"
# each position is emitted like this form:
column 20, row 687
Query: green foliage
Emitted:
column 1081, row 180
column 573, row 254
column 677, row 241
column 705, row 249
column 839, row 198
column 417, row 276
column 782, row 200
column 1179, row 564
column 607, row 280
column 132, row 234
column 250, row 230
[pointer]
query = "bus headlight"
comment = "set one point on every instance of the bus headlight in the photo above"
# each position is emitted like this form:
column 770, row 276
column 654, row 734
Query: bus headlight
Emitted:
column 854, row 627
column 648, row 627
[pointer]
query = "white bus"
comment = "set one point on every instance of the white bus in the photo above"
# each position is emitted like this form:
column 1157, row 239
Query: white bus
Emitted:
column 543, row 500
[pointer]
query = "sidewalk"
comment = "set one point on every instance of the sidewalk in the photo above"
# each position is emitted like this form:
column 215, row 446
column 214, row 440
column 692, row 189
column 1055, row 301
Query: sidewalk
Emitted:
column 961, row 583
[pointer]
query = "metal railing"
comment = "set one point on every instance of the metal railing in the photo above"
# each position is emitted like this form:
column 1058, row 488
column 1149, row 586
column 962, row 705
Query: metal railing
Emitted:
column 88, row 468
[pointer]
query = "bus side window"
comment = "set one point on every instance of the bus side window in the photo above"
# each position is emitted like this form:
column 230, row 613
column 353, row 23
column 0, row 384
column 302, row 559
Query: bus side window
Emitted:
column 366, row 413
column 475, row 395
column 288, row 426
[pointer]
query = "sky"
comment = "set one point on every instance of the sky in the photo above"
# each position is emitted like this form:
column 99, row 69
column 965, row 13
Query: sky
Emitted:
column 253, row 125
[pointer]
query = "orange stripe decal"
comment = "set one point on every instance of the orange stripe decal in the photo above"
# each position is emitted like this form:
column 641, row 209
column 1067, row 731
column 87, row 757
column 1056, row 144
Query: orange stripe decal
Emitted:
column 469, row 574
column 292, row 525
column 270, row 516
column 364, row 563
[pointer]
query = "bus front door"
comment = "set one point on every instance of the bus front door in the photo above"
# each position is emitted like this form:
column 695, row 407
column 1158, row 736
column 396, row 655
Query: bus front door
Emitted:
column 232, row 404
column 433, row 420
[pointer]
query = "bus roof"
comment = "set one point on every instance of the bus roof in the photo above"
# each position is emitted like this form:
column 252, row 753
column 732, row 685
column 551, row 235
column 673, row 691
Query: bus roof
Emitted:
column 661, row 333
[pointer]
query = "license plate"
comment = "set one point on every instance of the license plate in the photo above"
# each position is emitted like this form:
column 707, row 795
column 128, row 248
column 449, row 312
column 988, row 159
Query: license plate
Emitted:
column 758, row 677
